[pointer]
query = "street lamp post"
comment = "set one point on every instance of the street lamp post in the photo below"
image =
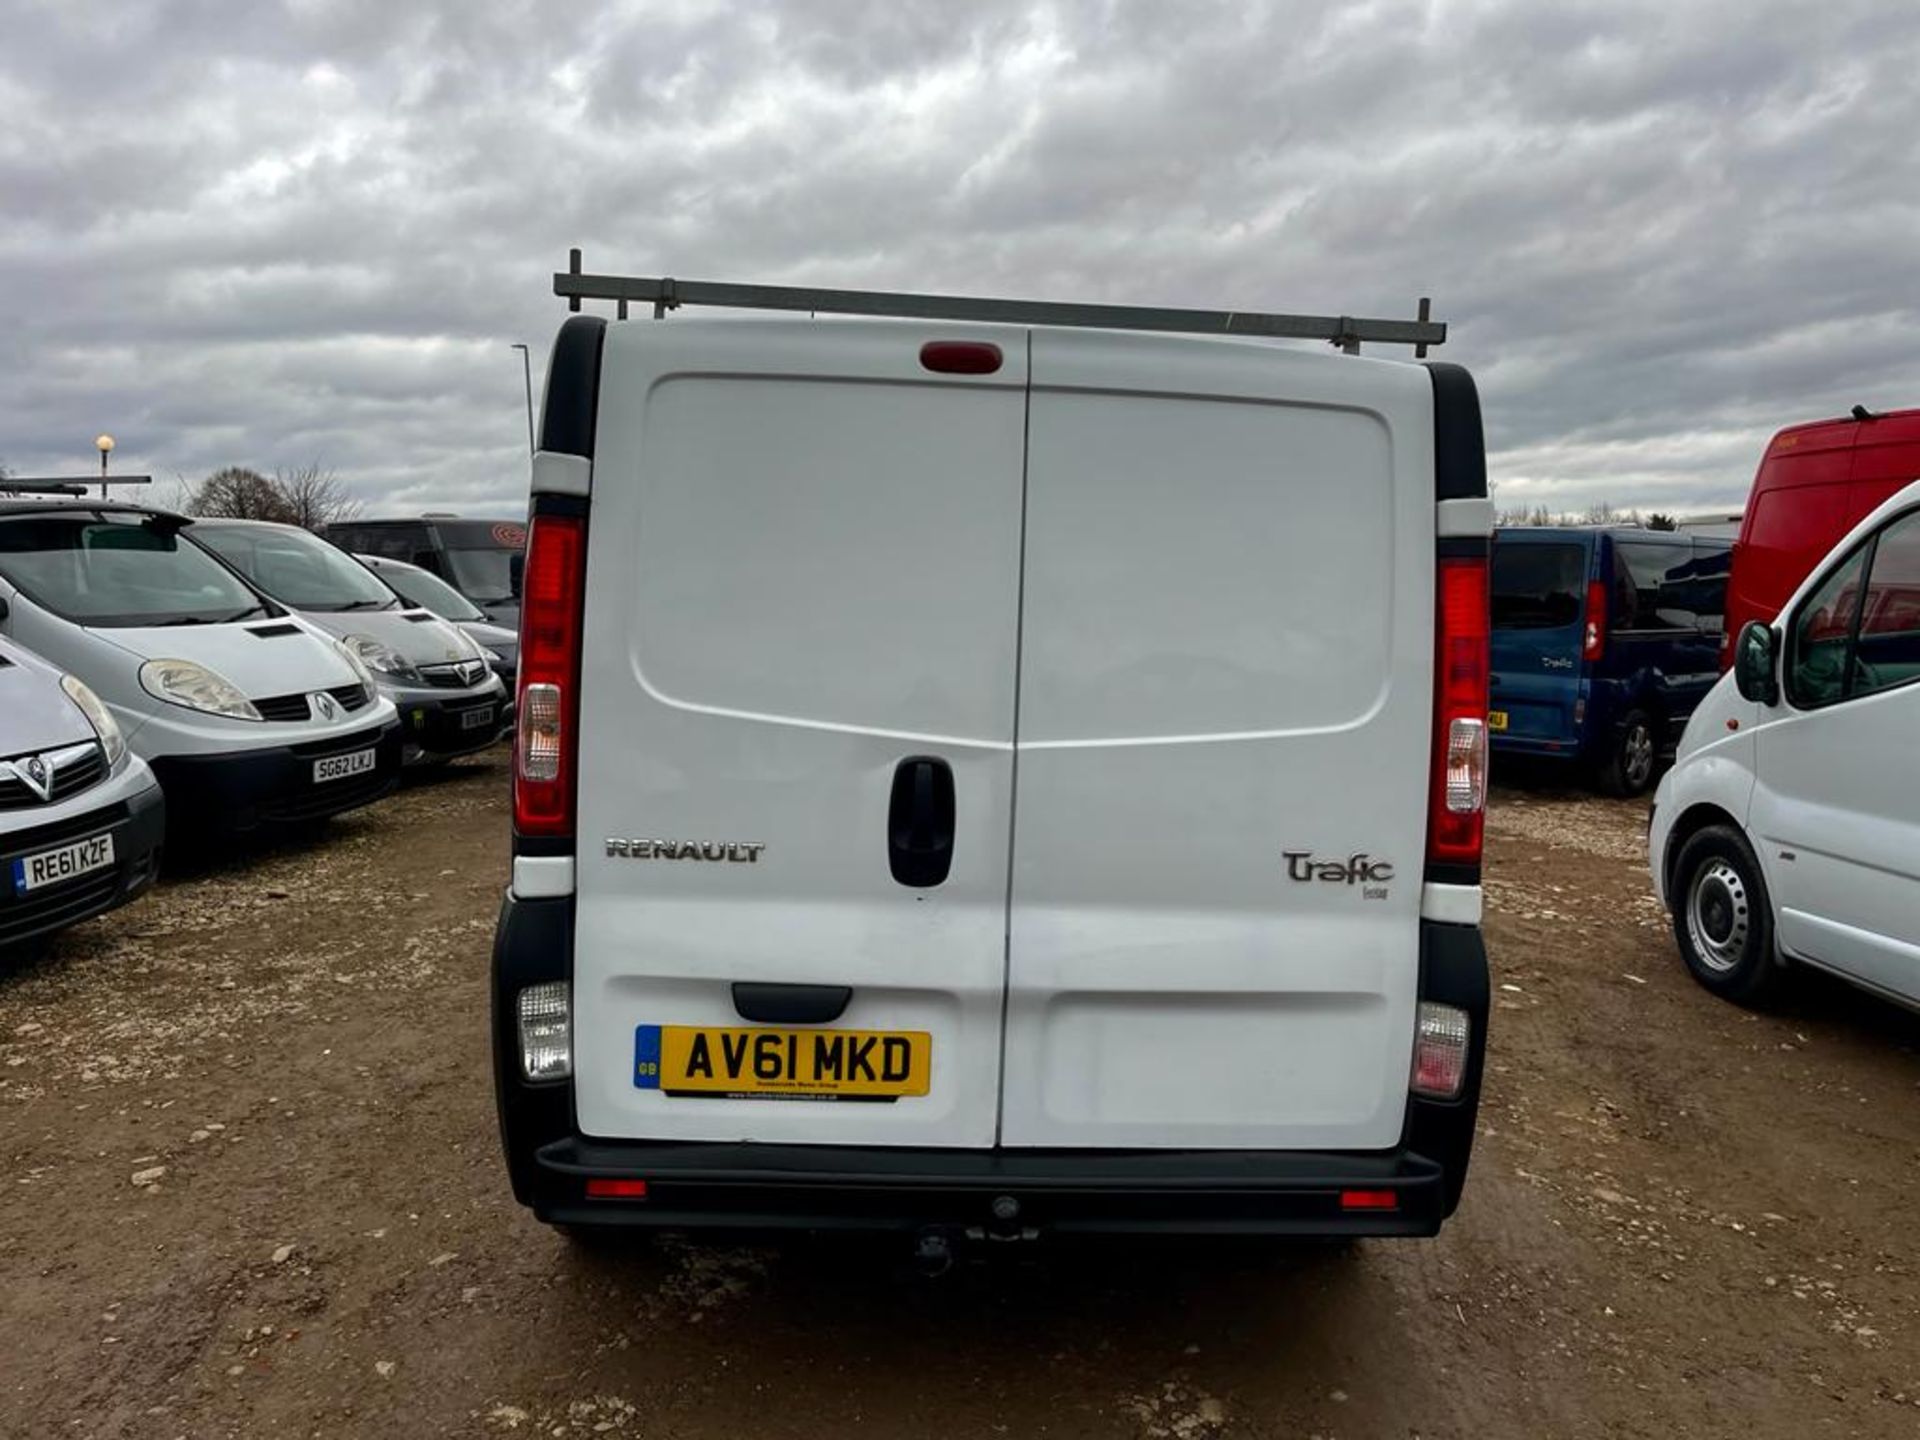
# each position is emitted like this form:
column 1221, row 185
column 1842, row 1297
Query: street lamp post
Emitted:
column 104, row 444
column 526, row 369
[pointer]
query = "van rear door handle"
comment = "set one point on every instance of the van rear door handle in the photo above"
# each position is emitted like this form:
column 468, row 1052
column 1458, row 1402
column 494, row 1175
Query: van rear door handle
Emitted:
column 920, row 822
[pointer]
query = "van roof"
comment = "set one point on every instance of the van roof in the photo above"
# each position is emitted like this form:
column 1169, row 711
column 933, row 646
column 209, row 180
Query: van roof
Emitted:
column 30, row 504
column 1623, row 532
column 1832, row 434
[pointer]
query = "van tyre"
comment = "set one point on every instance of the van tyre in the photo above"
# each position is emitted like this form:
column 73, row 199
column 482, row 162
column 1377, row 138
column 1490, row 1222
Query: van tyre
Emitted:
column 1723, row 918
column 1629, row 765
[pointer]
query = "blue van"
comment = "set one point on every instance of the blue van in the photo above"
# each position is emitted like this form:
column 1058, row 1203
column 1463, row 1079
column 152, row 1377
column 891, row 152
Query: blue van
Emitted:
column 1603, row 642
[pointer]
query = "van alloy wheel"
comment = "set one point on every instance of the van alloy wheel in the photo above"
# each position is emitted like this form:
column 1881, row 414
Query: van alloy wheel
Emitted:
column 1637, row 754
column 1719, row 916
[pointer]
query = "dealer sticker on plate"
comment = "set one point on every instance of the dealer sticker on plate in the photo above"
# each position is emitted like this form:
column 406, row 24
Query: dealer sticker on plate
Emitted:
column 781, row 1064
column 67, row 862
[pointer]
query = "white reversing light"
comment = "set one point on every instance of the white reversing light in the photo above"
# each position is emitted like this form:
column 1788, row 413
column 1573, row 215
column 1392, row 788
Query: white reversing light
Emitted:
column 546, row 1031
column 1439, row 1050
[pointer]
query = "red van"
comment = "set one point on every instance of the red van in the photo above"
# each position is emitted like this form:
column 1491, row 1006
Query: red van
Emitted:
column 1815, row 483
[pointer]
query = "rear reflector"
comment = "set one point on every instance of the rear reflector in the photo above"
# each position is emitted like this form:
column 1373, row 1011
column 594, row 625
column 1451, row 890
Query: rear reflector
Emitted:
column 1440, row 1035
column 1458, row 794
column 1369, row 1200
column 543, row 785
column 616, row 1189
column 960, row 357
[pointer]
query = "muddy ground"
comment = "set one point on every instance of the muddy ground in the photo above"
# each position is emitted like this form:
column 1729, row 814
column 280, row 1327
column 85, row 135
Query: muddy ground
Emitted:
column 251, row 1187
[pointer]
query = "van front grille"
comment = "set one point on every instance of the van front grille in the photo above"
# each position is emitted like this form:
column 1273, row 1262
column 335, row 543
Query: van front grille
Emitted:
column 71, row 770
column 463, row 676
column 283, row 709
column 57, row 905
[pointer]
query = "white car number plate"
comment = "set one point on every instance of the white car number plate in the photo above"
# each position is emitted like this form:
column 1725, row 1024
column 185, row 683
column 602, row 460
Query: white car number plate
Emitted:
column 474, row 719
column 339, row 767
column 68, row 862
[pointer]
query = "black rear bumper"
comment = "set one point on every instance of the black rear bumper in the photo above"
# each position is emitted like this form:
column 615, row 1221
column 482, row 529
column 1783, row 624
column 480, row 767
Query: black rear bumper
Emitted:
column 991, row 1192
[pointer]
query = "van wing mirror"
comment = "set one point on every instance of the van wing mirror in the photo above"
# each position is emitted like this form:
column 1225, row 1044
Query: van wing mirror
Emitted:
column 1756, row 664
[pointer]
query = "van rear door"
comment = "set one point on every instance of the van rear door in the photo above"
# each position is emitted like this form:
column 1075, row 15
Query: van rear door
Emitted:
column 1539, row 598
column 1225, row 714
column 803, row 572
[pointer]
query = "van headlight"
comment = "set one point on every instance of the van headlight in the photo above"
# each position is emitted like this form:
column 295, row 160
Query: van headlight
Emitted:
column 98, row 716
column 380, row 658
column 195, row 687
column 355, row 664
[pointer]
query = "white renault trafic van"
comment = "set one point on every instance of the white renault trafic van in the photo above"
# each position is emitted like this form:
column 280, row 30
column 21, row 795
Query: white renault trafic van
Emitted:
column 1789, row 828
column 246, row 714
column 996, row 778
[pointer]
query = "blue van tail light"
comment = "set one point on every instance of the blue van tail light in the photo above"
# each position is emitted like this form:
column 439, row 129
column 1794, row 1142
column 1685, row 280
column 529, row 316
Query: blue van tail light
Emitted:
column 1458, row 795
column 1593, row 642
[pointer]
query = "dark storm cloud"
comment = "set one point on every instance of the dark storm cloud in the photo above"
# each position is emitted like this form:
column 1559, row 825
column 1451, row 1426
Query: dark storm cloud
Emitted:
column 270, row 235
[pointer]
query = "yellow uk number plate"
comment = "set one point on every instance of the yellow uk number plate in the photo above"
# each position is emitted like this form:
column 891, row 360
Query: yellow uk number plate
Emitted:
column 781, row 1064
column 1496, row 720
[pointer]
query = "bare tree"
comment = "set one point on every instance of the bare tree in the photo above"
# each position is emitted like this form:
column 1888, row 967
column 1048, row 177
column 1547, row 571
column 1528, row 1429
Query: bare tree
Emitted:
column 237, row 493
column 314, row 497
column 308, row 496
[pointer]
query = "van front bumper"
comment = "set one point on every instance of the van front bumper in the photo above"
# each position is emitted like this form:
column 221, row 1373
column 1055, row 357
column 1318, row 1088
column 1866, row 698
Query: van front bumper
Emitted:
column 274, row 784
column 1002, row 1192
column 437, row 725
column 137, row 822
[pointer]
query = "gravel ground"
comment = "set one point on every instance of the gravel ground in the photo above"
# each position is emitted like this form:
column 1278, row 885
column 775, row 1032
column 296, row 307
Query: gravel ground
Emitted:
column 247, row 1137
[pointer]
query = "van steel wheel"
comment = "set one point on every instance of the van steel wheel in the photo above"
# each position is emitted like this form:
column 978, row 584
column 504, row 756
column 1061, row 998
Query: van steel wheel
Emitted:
column 1628, row 770
column 1722, row 917
column 1719, row 916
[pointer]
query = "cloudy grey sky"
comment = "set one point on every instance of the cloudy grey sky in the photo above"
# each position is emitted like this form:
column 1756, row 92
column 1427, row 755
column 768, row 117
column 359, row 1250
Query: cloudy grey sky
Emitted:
column 268, row 235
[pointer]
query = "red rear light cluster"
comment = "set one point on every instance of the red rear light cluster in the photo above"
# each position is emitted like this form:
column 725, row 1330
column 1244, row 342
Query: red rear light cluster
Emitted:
column 548, row 702
column 1593, row 640
column 1458, row 798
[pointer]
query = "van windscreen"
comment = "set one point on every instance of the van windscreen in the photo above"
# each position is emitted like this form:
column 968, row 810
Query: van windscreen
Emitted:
column 100, row 570
column 485, row 574
column 1537, row 587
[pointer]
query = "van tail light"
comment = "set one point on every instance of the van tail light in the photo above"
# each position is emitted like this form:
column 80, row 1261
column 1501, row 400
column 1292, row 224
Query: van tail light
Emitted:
column 1593, row 641
column 1457, row 800
column 1440, row 1040
column 548, row 703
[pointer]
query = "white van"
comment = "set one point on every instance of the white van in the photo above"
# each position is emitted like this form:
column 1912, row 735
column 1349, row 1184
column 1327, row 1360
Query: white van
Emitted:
column 1789, row 828
column 246, row 714
column 993, row 777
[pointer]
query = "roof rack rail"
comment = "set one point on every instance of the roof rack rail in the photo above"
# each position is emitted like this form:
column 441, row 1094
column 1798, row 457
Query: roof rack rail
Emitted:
column 65, row 484
column 664, row 294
